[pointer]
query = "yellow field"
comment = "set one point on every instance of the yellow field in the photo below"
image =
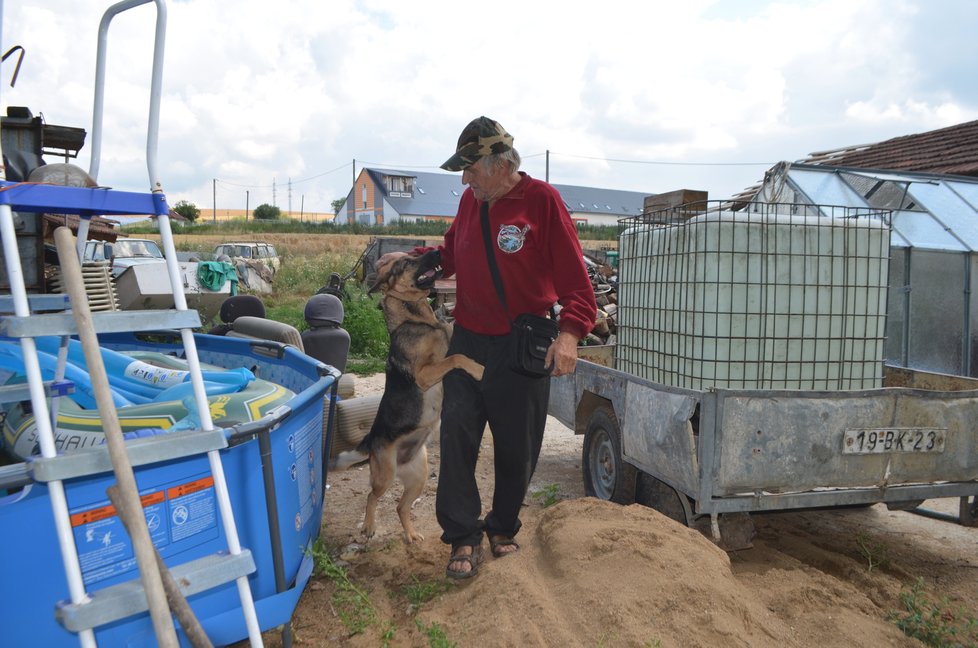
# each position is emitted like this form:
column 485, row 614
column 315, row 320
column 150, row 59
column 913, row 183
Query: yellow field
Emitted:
column 311, row 245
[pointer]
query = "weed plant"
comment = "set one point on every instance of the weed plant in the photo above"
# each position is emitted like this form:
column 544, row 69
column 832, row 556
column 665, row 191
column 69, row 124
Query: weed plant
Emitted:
column 548, row 495
column 934, row 623
column 420, row 592
column 874, row 553
column 436, row 635
column 357, row 613
column 352, row 604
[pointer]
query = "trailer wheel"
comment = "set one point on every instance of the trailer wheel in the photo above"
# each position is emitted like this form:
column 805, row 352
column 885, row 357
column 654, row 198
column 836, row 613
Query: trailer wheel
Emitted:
column 606, row 475
column 656, row 494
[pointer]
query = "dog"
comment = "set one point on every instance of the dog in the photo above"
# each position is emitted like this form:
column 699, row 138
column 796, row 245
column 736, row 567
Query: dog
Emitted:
column 410, row 408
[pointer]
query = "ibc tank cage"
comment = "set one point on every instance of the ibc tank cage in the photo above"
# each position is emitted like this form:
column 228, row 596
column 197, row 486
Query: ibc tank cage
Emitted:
column 772, row 296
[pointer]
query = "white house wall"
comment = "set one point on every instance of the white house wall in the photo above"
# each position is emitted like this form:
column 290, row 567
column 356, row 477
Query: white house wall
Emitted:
column 589, row 218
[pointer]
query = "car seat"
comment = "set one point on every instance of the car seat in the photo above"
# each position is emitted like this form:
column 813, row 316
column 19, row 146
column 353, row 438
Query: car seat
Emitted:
column 234, row 307
column 325, row 339
column 259, row 328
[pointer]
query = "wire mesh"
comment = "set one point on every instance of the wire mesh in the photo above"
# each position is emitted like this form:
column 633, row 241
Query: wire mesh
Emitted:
column 773, row 296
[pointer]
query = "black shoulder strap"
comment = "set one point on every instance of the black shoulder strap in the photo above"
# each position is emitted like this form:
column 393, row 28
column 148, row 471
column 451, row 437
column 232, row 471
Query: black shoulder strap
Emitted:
column 491, row 256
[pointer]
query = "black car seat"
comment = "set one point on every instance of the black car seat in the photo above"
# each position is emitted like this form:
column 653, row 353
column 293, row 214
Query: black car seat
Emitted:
column 326, row 339
column 235, row 307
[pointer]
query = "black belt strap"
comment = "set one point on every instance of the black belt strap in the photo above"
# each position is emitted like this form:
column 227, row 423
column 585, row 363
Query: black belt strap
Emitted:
column 491, row 258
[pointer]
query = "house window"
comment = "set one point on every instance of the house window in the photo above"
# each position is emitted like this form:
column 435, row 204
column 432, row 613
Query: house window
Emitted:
column 402, row 185
column 363, row 193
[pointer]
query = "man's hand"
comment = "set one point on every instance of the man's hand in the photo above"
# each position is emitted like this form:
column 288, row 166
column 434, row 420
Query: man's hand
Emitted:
column 562, row 354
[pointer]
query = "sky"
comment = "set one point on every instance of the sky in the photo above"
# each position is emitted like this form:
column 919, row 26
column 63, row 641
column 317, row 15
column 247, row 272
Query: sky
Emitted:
column 283, row 102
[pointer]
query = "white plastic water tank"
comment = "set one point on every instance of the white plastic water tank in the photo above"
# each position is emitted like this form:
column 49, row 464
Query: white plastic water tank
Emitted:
column 754, row 301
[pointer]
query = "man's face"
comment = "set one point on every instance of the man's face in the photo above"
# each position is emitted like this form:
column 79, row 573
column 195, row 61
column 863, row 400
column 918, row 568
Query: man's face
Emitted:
column 486, row 181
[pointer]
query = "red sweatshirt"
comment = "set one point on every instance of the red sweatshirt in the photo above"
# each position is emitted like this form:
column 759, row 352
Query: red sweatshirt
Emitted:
column 539, row 259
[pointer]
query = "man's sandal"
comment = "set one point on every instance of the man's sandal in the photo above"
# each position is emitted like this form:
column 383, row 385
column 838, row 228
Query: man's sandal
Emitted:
column 472, row 559
column 498, row 545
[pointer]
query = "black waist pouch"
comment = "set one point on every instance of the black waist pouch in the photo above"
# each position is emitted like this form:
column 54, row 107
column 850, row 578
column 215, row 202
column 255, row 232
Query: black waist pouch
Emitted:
column 534, row 335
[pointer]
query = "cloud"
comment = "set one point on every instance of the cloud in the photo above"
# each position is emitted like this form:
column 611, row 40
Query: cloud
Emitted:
column 624, row 94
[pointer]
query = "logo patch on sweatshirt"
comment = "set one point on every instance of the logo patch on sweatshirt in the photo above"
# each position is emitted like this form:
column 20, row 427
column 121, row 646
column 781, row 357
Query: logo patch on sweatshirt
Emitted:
column 511, row 238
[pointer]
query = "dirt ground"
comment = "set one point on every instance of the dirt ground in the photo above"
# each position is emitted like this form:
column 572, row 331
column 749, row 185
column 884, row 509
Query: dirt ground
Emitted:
column 592, row 573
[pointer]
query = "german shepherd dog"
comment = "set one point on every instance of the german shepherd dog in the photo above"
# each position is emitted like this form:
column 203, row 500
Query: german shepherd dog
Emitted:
column 410, row 408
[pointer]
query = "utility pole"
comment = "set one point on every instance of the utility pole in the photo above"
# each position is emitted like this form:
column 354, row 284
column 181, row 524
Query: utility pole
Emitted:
column 353, row 182
column 302, row 206
column 274, row 199
column 547, row 178
column 290, row 198
column 247, row 196
column 214, row 213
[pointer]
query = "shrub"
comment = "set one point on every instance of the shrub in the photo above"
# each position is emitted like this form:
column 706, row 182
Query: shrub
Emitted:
column 267, row 212
column 365, row 323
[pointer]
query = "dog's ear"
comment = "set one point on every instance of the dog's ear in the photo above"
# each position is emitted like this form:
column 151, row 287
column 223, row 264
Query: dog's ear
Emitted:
column 374, row 288
column 384, row 268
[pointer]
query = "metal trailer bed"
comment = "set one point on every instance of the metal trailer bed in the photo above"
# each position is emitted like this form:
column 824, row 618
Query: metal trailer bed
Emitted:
column 749, row 374
column 691, row 453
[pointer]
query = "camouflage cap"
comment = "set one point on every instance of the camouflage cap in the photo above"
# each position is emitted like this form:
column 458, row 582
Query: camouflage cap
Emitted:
column 482, row 137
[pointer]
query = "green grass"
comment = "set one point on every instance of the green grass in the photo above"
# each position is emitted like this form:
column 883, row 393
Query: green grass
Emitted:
column 352, row 604
column 436, row 635
column 934, row 622
column 357, row 612
column 420, row 592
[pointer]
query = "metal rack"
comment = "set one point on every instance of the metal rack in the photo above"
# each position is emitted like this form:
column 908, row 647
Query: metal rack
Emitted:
column 84, row 613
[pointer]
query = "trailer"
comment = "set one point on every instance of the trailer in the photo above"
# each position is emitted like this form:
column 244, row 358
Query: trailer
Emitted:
column 749, row 375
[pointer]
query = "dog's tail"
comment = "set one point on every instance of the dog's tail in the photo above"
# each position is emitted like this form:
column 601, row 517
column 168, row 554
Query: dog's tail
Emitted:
column 348, row 459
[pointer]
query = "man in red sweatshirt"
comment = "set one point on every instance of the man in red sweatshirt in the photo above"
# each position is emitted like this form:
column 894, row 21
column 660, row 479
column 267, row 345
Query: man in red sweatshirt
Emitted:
column 540, row 263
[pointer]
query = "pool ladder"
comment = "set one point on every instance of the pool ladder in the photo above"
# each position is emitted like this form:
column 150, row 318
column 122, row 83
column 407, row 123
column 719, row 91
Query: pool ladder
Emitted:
column 84, row 613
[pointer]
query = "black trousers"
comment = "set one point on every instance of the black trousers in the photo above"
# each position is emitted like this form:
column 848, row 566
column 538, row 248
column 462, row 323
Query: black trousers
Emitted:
column 515, row 407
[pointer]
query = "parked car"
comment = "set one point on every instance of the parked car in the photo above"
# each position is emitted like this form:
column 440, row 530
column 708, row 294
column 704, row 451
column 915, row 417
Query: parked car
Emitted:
column 249, row 251
column 124, row 253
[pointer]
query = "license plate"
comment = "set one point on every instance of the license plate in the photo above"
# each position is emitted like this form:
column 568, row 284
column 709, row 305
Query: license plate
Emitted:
column 892, row 440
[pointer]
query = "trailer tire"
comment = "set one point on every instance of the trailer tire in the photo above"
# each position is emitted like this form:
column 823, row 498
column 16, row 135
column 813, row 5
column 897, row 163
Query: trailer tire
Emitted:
column 656, row 494
column 606, row 474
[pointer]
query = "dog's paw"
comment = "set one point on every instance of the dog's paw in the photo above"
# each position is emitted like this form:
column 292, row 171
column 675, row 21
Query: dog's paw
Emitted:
column 477, row 371
column 368, row 531
column 413, row 536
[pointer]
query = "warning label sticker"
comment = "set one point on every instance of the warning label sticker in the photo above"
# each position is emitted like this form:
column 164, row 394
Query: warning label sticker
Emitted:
column 193, row 508
column 178, row 512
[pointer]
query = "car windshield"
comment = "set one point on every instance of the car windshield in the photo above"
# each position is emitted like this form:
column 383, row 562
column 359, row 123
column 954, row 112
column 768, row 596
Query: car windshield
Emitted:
column 135, row 248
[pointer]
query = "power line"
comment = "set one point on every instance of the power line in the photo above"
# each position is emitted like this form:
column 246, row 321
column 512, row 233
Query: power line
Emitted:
column 603, row 159
column 525, row 157
column 258, row 186
column 399, row 166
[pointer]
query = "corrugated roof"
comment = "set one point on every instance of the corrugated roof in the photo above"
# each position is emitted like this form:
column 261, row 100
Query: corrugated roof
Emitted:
column 100, row 229
column 437, row 194
column 602, row 201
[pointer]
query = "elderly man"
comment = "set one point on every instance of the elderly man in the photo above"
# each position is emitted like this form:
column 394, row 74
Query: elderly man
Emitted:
column 523, row 223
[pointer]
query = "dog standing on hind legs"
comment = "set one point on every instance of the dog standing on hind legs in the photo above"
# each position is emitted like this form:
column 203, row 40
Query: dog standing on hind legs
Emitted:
column 410, row 408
